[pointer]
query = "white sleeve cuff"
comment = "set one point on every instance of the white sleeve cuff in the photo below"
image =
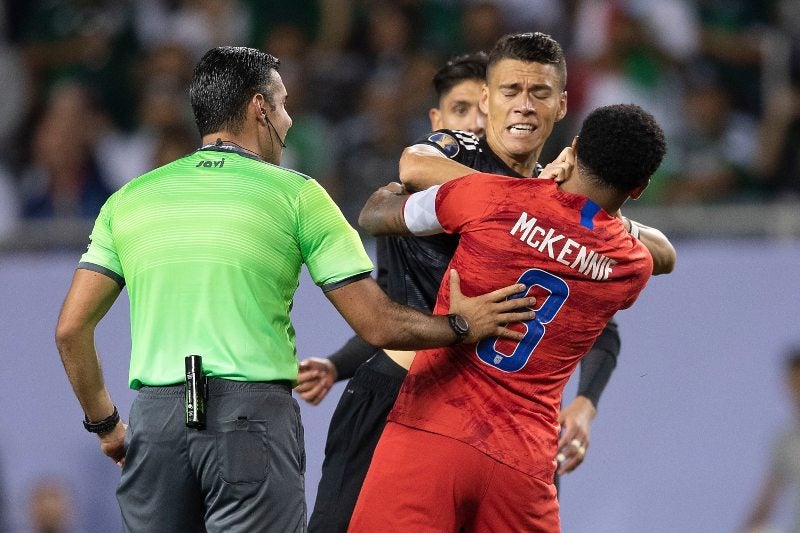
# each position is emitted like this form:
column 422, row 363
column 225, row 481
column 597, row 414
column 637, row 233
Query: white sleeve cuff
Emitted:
column 419, row 213
column 634, row 229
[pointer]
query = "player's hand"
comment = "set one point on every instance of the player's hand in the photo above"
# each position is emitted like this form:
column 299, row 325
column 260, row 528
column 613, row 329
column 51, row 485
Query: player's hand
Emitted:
column 382, row 213
column 113, row 443
column 390, row 190
column 576, row 424
column 488, row 314
column 393, row 187
column 315, row 378
column 562, row 167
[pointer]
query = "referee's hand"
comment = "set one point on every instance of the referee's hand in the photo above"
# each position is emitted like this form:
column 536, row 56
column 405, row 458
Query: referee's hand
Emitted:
column 113, row 443
column 490, row 313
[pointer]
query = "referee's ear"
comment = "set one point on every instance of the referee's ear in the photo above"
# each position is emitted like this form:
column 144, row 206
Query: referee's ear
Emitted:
column 483, row 102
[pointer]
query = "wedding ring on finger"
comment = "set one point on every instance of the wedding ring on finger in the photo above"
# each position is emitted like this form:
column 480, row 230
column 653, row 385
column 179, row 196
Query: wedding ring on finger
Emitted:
column 577, row 444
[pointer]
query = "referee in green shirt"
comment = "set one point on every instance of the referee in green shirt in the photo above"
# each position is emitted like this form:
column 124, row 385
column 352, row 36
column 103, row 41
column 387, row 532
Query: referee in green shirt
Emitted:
column 210, row 248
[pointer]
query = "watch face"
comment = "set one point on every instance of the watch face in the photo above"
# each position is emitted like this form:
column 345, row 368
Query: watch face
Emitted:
column 459, row 325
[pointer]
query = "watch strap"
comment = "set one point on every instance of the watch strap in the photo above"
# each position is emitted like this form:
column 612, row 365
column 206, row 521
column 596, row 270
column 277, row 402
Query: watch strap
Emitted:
column 459, row 326
column 103, row 426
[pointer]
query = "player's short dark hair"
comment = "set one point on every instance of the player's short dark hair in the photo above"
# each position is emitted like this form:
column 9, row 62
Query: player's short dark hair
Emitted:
column 224, row 81
column 458, row 69
column 620, row 146
column 535, row 47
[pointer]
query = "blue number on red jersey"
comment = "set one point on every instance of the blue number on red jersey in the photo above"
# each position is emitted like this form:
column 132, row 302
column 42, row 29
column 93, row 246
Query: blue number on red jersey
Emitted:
column 535, row 328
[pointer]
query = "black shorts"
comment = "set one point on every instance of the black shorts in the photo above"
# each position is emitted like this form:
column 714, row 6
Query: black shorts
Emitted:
column 355, row 428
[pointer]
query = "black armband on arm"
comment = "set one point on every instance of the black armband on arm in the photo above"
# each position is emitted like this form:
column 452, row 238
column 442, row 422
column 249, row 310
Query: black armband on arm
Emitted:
column 598, row 364
column 350, row 356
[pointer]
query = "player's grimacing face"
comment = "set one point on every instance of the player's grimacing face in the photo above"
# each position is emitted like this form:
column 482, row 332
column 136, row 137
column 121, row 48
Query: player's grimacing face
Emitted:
column 522, row 102
column 459, row 110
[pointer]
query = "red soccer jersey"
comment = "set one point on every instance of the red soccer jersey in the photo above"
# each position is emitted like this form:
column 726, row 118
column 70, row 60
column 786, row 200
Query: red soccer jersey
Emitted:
column 503, row 397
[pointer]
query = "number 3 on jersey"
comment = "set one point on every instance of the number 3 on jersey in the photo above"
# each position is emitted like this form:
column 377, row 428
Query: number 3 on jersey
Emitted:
column 535, row 328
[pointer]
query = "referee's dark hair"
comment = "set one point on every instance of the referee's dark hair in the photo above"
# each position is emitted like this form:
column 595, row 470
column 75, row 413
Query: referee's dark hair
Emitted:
column 620, row 146
column 535, row 47
column 224, row 81
column 458, row 69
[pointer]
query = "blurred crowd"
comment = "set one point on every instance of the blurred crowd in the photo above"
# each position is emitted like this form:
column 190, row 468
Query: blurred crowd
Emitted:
column 95, row 91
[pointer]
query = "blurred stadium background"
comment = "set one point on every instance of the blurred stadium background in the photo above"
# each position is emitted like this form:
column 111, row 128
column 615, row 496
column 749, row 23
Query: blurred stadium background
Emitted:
column 94, row 93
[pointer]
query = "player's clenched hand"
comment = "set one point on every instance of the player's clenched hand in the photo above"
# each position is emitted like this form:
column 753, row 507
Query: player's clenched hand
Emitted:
column 315, row 378
column 382, row 214
column 488, row 314
column 576, row 423
column 393, row 187
column 561, row 168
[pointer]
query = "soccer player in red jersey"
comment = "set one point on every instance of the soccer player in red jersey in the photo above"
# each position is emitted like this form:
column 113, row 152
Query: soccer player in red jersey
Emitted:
column 471, row 441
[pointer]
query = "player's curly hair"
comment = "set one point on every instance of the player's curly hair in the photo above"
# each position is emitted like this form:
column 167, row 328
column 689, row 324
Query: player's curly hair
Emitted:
column 531, row 47
column 224, row 81
column 620, row 146
column 458, row 69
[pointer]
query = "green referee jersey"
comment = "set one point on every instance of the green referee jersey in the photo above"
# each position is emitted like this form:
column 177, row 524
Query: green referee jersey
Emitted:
column 210, row 248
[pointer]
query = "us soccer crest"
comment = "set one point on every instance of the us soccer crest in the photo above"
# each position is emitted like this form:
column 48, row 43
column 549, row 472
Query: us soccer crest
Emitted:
column 446, row 142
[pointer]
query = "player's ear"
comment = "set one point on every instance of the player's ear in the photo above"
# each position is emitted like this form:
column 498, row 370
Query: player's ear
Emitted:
column 637, row 192
column 483, row 103
column 436, row 118
column 562, row 106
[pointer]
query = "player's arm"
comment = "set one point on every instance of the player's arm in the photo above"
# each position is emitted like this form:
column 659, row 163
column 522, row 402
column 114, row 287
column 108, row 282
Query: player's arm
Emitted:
column 89, row 298
column 366, row 307
column 382, row 322
column 316, row 375
column 422, row 166
column 391, row 211
column 768, row 496
column 350, row 356
column 664, row 256
column 577, row 417
column 382, row 214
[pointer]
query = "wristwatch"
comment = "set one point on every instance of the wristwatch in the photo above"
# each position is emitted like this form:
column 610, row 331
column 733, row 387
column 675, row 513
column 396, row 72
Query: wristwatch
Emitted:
column 459, row 325
column 105, row 425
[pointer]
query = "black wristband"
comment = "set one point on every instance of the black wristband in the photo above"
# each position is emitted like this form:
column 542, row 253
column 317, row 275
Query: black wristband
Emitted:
column 459, row 326
column 104, row 426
